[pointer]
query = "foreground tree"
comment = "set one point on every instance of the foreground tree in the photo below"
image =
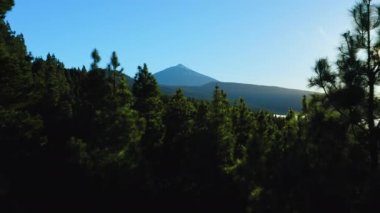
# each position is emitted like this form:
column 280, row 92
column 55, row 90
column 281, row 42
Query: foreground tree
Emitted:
column 350, row 89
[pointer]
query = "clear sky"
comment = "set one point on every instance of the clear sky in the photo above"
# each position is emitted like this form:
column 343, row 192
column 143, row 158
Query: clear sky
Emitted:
column 266, row 42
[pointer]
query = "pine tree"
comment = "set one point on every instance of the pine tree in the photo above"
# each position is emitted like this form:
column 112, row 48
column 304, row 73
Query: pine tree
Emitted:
column 148, row 102
column 21, row 131
column 15, row 65
column 150, row 107
column 115, row 64
column 220, row 122
column 244, row 124
column 179, row 118
column 96, row 59
column 351, row 89
column 5, row 6
column 97, row 88
column 179, row 123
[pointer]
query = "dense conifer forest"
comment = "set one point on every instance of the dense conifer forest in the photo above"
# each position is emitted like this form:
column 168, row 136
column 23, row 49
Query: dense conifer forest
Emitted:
column 84, row 138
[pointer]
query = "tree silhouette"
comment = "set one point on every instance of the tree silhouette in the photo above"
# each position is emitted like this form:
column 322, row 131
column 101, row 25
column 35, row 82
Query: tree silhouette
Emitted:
column 78, row 138
column 351, row 89
column 114, row 65
column 96, row 59
column 5, row 6
column 150, row 107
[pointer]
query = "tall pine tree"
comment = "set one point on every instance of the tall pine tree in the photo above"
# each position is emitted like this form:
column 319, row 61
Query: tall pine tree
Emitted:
column 351, row 89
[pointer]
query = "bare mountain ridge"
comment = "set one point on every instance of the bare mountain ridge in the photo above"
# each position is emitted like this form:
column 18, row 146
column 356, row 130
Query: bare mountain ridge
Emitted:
column 181, row 75
column 198, row 86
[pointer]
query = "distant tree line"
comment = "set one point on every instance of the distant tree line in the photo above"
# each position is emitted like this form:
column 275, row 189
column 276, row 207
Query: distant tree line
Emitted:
column 72, row 138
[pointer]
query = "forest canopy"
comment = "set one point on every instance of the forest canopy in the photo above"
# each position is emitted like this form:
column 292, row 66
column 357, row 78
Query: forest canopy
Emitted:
column 86, row 138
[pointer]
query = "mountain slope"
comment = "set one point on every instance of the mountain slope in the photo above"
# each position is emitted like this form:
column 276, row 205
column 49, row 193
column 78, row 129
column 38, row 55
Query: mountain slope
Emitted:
column 181, row 76
column 275, row 99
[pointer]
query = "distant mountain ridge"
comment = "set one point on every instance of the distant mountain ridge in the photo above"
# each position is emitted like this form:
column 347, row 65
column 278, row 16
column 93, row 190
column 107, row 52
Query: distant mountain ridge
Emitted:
column 275, row 99
column 181, row 75
column 258, row 97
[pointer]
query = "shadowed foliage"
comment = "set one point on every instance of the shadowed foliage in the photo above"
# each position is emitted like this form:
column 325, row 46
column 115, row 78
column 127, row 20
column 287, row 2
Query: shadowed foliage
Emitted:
column 90, row 140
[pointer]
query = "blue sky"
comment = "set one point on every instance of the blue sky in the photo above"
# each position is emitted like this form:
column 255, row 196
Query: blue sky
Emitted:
column 266, row 42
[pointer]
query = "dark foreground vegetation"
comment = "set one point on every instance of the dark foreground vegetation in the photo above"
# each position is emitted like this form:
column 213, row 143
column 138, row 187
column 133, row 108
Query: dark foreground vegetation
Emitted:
column 82, row 139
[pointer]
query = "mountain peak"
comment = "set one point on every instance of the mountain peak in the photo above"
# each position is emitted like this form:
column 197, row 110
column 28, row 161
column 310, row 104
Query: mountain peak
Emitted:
column 181, row 66
column 180, row 75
